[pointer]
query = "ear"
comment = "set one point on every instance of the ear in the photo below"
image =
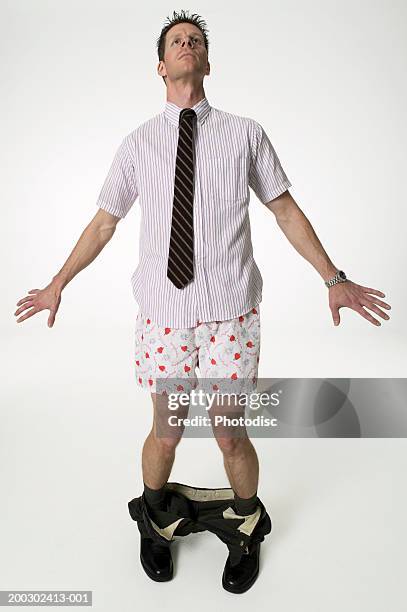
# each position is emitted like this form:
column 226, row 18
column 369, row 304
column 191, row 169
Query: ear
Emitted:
column 161, row 68
column 208, row 69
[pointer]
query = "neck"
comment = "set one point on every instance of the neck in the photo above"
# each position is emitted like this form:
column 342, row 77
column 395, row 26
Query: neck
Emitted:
column 185, row 95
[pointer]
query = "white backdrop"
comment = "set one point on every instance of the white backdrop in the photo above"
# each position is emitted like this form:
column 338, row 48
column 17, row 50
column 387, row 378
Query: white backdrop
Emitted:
column 326, row 81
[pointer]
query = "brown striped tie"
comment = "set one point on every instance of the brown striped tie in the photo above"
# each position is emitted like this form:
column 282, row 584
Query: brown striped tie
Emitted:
column 181, row 252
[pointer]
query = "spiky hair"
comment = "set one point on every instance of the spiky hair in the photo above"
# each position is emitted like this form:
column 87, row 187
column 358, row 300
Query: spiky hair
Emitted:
column 181, row 17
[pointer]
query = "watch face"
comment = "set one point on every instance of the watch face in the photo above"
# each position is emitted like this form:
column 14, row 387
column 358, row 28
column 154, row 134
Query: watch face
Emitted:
column 342, row 274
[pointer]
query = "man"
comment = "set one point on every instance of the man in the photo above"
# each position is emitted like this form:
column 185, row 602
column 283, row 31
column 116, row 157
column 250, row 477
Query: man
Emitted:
column 197, row 284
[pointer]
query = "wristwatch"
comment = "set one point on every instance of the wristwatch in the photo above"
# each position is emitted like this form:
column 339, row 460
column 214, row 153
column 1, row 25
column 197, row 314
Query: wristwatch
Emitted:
column 340, row 277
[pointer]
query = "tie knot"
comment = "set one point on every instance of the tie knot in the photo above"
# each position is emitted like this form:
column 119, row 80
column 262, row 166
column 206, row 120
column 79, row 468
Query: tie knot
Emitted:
column 187, row 113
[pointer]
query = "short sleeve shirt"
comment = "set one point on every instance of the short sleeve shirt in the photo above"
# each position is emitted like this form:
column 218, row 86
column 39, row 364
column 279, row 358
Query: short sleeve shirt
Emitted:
column 232, row 154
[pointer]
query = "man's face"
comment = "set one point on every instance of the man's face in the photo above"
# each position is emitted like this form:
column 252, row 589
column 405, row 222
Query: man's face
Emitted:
column 185, row 53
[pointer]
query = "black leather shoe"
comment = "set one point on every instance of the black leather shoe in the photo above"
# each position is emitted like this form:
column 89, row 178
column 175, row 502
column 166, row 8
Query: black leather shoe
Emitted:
column 156, row 560
column 241, row 577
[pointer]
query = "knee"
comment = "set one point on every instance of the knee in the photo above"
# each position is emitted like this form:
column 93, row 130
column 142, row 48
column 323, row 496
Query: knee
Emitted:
column 231, row 446
column 167, row 445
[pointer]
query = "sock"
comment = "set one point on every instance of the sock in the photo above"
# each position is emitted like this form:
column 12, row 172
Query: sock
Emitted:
column 245, row 505
column 155, row 498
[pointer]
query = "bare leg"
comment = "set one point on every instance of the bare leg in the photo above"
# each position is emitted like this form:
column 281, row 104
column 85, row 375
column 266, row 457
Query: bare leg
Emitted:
column 239, row 455
column 158, row 452
column 241, row 465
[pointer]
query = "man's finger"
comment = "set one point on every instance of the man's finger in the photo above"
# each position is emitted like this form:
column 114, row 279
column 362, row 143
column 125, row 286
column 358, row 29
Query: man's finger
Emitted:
column 30, row 313
column 335, row 315
column 381, row 303
column 25, row 299
column 367, row 315
column 376, row 309
column 23, row 307
column 374, row 291
column 51, row 318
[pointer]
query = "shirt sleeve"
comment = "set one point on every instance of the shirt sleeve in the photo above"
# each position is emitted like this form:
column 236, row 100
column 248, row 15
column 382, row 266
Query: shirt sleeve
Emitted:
column 266, row 177
column 119, row 191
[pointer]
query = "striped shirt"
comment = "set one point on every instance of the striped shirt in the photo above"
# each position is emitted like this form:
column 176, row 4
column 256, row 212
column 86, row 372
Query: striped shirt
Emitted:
column 232, row 153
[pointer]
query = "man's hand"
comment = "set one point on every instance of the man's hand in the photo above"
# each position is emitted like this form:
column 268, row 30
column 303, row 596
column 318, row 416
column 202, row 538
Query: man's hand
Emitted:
column 356, row 297
column 40, row 299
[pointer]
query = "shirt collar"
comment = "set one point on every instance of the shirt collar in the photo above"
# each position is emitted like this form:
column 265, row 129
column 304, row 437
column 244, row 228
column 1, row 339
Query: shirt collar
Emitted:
column 172, row 111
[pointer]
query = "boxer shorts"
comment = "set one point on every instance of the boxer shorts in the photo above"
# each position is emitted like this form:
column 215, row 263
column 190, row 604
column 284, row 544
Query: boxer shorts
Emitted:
column 222, row 351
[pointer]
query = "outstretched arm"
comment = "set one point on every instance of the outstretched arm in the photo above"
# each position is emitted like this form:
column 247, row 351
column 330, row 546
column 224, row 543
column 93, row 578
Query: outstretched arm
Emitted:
column 92, row 240
column 302, row 236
